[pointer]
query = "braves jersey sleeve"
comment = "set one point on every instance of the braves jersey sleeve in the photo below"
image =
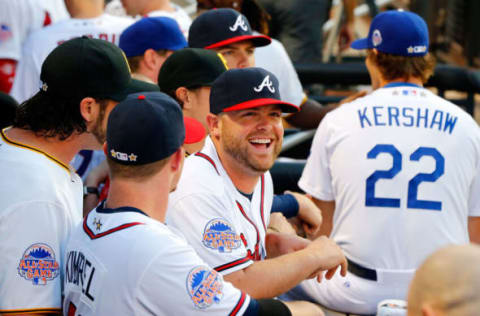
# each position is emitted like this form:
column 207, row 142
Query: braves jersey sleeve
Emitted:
column 213, row 235
column 275, row 59
column 474, row 202
column 31, row 256
column 316, row 179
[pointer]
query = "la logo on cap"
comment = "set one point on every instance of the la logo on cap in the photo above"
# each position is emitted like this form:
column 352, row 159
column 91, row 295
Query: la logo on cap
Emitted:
column 239, row 23
column 265, row 83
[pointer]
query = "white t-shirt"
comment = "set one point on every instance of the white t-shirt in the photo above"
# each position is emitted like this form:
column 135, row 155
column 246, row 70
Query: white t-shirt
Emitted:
column 275, row 59
column 21, row 17
column 40, row 203
column 403, row 166
column 122, row 262
column 182, row 18
column 40, row 43
column 225, row 228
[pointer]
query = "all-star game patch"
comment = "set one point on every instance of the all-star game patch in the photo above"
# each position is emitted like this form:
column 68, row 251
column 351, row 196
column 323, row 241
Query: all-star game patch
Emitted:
column 220, row 235
column 204, row 287
column 38, row 264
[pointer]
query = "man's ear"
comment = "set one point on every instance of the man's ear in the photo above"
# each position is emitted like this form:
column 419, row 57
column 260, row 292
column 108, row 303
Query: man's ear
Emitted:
column 213, row 122
column 177, row 159
column 149, row 58
column 89, row 109
column 427, row 310
column 182, row 94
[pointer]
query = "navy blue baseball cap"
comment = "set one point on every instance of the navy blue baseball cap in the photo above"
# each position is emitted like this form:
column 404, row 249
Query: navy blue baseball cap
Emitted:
column 152, row 33
column 398, row 33
column 240, row 89
column 147, row 127
column 220, row 27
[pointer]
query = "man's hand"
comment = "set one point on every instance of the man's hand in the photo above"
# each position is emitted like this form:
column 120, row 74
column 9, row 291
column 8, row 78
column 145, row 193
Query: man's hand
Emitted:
column 309, row 215
column 96, row 176
column 330, row 257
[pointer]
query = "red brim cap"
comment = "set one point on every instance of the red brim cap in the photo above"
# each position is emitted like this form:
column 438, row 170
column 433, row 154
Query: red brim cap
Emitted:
column 194, row 130
column 257, row 40
column 285, row 106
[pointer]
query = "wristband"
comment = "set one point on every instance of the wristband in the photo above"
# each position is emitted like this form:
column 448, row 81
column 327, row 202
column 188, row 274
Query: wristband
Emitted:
column 90, row 190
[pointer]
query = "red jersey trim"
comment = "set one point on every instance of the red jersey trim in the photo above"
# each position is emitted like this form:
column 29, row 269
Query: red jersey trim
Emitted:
column 256, row 253
column 239, row 305
column 232, row 264
column 207, row 158
column 92, row 235
column 262, row 211
column 56, row 311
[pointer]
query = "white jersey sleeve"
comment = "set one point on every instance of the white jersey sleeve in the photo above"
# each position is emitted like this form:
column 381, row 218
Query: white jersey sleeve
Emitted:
column 275, row 59
column 212, row 235
column 32, row 256
column 179, row 15
column 316, row 178
column 474, row 201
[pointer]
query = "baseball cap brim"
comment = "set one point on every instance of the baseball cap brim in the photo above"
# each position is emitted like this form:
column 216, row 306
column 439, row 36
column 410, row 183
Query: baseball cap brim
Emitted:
column 134, row 86
column 194, row 130
column 360, row 44
column 257, row 40
column 285, row 106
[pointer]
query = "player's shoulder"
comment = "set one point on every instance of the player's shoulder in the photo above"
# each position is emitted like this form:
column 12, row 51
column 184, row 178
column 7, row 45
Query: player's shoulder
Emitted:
column 113, row 19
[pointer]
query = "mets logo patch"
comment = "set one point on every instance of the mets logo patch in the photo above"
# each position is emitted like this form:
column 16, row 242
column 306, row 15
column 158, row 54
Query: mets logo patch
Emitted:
column 38, row 264
column 204, row 287
column 220, row 235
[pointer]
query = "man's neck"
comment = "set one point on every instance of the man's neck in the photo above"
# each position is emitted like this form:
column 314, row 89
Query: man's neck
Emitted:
column 151, row 198
column 412, row 80
column 242, row 177
column 87, row 9
column 62, row 150
column 159, row 5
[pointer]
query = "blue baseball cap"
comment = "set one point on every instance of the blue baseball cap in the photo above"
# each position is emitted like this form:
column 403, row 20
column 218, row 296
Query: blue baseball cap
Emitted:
column 240, row 89
column 220, row 27
column 152, row 33
column 145, row 128
column 398, row 33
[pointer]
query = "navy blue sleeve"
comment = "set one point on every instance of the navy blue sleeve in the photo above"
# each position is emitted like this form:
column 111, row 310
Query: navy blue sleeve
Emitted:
column 285, row 204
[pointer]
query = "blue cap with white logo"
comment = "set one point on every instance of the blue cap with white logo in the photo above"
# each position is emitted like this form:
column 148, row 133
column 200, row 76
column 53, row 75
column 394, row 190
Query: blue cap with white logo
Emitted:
column 398, row 33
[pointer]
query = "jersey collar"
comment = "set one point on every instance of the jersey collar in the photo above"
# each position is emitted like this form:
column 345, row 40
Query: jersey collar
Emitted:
column 105, row 210
column 401, row 84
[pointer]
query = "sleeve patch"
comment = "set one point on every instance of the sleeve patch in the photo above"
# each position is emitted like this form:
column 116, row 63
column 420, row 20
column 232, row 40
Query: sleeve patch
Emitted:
column 204, row 287
column 220, row 235
column 38, row 264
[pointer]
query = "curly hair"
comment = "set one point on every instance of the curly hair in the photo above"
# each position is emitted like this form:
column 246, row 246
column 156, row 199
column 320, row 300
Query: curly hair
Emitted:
column 52, row 116
column 401, row 67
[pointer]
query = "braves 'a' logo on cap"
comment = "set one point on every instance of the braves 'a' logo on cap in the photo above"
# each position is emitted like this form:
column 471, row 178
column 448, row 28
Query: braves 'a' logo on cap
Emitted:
column 266, row 83
column 239, row 23
column 376, row 38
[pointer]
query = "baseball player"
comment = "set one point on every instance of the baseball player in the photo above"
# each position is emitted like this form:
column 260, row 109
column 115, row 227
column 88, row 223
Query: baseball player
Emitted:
column 40, row 194
column 87, row 19
column 228, row 215
column 396, row 173
column 123, row 259
column 147, row 44
column 17, row 20
column 447, row 283
column 229, row 33
column 153, row 8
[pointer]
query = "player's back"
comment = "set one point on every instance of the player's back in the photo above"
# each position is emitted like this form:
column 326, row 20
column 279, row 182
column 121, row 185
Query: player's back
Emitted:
column 403, row 165
column 122, row 262
column 40, row 43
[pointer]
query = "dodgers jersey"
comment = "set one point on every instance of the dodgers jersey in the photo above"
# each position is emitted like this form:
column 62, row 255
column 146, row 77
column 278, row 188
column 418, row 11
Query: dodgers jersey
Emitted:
column 40, row 43
column 403, row 166
column 21, row 17
column 225, row 228
column 40, row 203
column 122, row 262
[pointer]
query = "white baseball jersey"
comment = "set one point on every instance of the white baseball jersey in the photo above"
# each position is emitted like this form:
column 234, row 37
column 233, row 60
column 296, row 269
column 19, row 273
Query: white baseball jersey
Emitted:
column 403, row 166
column 275, row 59
column 40, row 43
column 19, row 18
column 225, row 228
column 86, row 160
column 122, row 262
column 40, row 203
column 182, row 18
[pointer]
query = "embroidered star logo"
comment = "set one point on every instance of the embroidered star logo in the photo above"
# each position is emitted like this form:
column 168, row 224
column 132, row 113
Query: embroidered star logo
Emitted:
column 132, row 157
column 113, row 153
column 98, row 224
column 44, row 86
column 410, row 50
